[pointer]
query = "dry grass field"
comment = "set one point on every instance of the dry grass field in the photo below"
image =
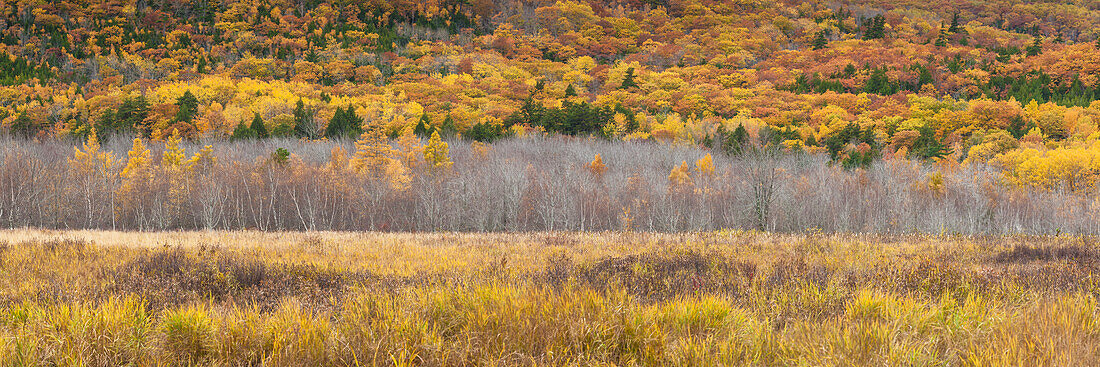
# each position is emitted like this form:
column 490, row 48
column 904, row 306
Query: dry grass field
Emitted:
column 377, row 299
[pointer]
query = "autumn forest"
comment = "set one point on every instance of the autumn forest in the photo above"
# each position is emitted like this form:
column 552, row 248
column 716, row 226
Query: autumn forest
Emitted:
column 1002, row 88
column 549, row 183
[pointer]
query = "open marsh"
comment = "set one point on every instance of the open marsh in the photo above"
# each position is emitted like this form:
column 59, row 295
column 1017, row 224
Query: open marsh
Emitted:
column 714, row 298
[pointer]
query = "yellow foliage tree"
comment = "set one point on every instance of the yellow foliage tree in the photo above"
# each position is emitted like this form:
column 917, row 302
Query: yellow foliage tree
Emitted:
column 1072, row 168
column 705, row 166
column 91, row 169
column 372, row 152
column 437, row 154
column 137, row 177
column 173, row 153
column 203, row 160
column 177, row 174
column 397, row 175
column 91, row 161
column 335, row 171
column 480, row 150
column 936, row 184
column 992, row 144
column 409, row 148
column 375, row 158
column 596, row 167
column 680, row 177
column 338, row 160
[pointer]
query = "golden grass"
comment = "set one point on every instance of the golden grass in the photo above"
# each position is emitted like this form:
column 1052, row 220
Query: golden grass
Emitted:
column 723, row 298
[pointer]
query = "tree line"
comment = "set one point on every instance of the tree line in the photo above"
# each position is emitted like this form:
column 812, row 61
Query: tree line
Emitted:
column 414, row 184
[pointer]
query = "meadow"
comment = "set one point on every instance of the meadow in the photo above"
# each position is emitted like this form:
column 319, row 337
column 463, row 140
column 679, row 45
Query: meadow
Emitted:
column 101, row 298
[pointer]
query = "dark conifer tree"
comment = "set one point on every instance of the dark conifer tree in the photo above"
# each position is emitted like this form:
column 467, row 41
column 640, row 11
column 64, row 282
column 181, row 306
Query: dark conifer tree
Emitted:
column 628, row 79
column 258, row 126
column 820, row 41
column 242, row 132
column 188, row 107
column 423, row 128
column 448, row 129
column 570, row 91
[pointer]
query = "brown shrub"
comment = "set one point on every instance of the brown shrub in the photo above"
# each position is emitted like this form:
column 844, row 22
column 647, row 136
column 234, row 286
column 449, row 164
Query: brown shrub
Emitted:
column 653, row 277
column 1027, row 253
column 174, row 276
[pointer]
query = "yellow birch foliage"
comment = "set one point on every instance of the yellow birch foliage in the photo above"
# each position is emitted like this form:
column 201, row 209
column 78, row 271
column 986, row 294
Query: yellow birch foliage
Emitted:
column 1071, row 168
column 173, row 153
column 680, row 177
column 620, row 124
column 992, row 144
column 596, row 166
column 705, row 166
column 372, row 152
column 136, row 176
column 137, row 170
column 410, row 148
column 203, row 160
column 91, row 160
column 398, row 175
column 374, row 157
column 480, row 150
column 936, row 183
column 338, row 160
column 335, row 171
column 437, row 154
column 176, row 173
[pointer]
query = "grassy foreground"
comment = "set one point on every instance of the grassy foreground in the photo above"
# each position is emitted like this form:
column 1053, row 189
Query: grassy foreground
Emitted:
column 737, row 298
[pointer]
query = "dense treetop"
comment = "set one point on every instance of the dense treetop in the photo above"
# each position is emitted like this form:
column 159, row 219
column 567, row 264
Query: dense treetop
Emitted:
column 1001, row 81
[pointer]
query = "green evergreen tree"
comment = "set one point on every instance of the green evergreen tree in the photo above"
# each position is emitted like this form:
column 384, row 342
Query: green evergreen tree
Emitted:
column 850, row 70
column 570, row 91
column 927, row 146
column 941, row 41
column 258, row 126
column 129, row 116
column 628, row 79
column 423, row 127
column 719, row 141
column 1036, row 47
column 924, row 77
column 304, row 127
column 242, row 132
column 876, row 28
column 820, row 41
column 280, row 157
column 448, row 129
column 344, row 124
column 485, row 132
column 188, row 107
column 736, row 142
column 879, row 83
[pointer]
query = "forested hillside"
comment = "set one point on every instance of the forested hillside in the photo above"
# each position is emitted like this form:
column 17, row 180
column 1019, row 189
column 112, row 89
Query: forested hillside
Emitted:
column 1009, row 83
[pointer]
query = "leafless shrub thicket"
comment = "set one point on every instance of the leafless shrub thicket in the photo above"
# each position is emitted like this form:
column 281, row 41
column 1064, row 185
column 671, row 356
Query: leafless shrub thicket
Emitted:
column 526, row 185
